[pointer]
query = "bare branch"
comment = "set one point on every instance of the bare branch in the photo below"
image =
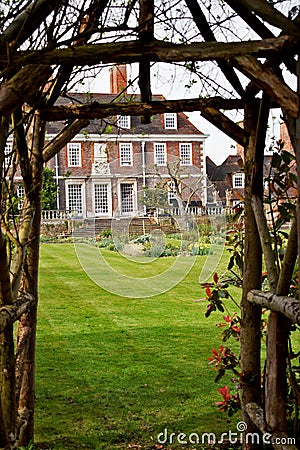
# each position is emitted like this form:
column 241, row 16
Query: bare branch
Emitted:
column 206, row 31
column 268, row 80
column 26, row 22
column 289, row 261
column 21, row 86
column 156, row 51
column 224, row 124
column 265, row 241
column 208, row 106
column 288, row 306
column 271, row 15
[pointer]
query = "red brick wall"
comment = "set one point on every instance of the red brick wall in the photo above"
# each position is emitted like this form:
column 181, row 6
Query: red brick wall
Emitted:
column 134, row 172
column 86, row 160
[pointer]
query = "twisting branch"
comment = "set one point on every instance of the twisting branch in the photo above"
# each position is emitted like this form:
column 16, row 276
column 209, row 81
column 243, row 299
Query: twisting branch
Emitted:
column 22, row 241
column 289, row 262
column 266, row 79
column 265, row 240
column 10, row 313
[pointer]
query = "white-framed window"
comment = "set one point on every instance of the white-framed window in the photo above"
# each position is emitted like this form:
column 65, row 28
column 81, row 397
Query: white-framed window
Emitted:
column 127, row 197
column 101, row 198
column 160, row 154
column 171, row 192
column 238, row 180
column 185, row 154
column 170, row 121
column 20, row 195
column 123, row 121
column 74, row 154
column 125, row 154
column 8, row 154
column 75, row 199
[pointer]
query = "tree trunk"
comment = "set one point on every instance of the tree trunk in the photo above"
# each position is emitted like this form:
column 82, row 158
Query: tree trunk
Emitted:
column 26, row 341
column 7, row 356
column 250, row 314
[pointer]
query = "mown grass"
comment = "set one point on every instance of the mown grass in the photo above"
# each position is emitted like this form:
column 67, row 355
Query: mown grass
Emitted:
column 115, row 371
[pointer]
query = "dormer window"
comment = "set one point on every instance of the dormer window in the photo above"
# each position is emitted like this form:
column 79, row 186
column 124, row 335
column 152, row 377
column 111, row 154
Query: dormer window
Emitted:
column 170, row 121
column 238, row 180
column 123, row 122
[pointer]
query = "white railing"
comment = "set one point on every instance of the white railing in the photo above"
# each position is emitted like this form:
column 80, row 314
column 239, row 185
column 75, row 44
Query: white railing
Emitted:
column 191, row 211
column 54, row 214
column 214, row 210
column 198, row 211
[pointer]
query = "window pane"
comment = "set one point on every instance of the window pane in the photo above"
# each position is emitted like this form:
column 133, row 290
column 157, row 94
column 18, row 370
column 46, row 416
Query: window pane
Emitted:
column 185, row 154
column 160, row 154
column 101, row 198
column 8, row 154
column 123, row 121
column 171, row 192
column 75, row 198
column 171, row 120
column 127, row 203
column 238, row 180
column 74, row 154
column 125, row 154
column 20, row 195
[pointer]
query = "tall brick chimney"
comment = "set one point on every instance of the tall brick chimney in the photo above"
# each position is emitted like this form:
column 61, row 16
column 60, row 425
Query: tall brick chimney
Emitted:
column 118, row 79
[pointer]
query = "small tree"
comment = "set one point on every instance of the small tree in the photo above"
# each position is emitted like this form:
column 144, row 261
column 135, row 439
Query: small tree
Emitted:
column 49, row 190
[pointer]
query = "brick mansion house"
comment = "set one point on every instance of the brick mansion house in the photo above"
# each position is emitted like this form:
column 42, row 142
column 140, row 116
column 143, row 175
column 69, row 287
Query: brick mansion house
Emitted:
column 103, row 170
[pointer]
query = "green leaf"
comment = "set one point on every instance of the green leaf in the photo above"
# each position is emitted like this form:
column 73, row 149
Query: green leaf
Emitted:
column 220, row 375
column 287, row 156
column 231, row 263
column 276, row 160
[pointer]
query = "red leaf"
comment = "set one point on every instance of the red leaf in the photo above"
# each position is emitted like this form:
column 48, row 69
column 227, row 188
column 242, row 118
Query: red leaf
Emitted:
column 225, row 393
column 216, row 278
column 227, row 319
column 208, row 292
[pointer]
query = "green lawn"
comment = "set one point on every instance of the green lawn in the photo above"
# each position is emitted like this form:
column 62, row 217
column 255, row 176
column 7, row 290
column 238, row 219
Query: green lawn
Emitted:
column 114, row 371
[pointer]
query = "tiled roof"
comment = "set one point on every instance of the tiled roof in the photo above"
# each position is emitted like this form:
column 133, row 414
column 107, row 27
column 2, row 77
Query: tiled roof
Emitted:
column 232, row 164
column 184, row 126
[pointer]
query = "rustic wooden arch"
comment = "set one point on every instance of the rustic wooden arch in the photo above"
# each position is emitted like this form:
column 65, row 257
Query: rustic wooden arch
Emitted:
column 26, row 72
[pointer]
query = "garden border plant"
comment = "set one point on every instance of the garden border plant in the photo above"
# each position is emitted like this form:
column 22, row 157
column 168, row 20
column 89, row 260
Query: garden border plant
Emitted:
column 281, row 180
